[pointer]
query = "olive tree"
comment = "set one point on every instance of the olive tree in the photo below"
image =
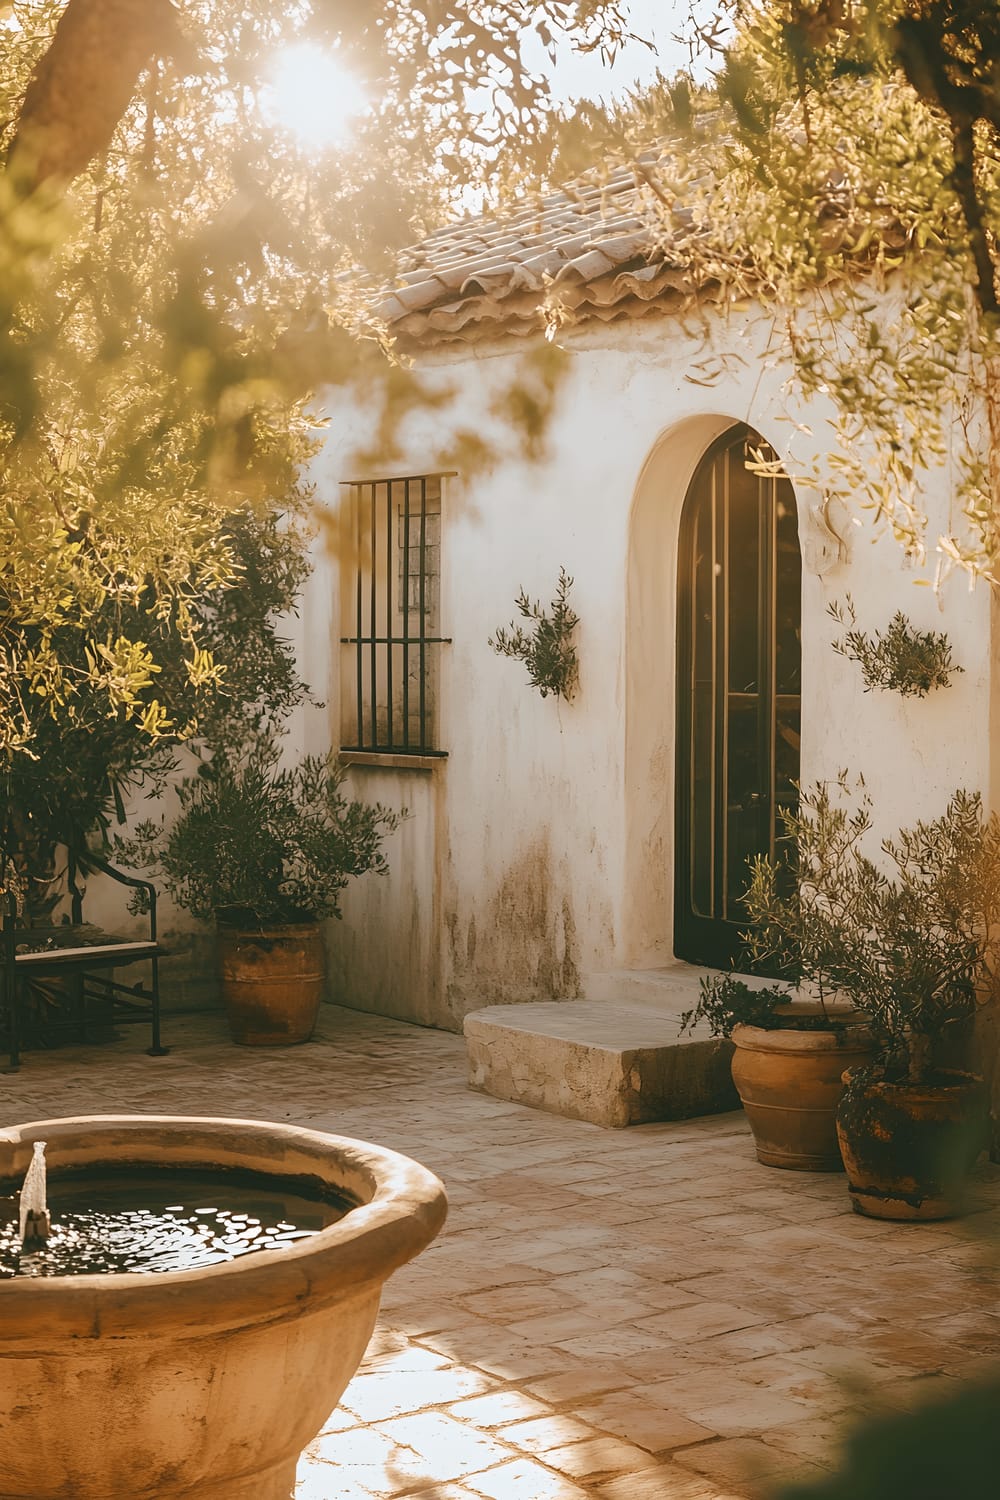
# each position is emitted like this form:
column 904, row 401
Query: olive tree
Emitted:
column 859, row 170
column 171, row 292
column 176, row 278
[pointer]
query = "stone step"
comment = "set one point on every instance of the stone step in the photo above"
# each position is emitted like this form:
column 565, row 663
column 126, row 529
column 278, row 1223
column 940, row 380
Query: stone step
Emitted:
column 671, row 990
column 611, row 1064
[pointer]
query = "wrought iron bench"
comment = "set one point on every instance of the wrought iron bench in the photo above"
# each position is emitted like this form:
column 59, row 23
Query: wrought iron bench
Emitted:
column 79, row 955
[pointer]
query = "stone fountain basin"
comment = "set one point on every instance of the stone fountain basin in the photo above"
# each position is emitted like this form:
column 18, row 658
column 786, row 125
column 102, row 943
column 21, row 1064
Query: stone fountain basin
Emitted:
column 206, row 1382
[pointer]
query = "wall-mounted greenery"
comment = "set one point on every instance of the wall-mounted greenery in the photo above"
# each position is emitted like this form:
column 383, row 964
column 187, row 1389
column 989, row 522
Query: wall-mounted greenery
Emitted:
column 547, row 648
column 900, row 658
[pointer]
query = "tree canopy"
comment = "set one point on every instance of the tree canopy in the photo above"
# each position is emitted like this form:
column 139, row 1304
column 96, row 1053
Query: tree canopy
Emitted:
column 173, row 286
column 855, row 191
column 175, row 272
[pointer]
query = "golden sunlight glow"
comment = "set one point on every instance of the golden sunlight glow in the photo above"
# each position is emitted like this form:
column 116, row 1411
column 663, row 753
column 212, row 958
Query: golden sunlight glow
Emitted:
column 313, row 95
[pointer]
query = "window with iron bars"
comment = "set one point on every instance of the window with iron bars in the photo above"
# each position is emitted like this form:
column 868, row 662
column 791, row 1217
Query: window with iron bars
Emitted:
column 391, row 616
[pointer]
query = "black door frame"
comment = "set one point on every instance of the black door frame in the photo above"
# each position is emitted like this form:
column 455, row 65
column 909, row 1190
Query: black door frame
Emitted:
column 712, row 936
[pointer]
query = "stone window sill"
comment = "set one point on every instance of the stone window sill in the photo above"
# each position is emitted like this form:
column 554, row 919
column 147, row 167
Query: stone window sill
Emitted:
column 386, row 761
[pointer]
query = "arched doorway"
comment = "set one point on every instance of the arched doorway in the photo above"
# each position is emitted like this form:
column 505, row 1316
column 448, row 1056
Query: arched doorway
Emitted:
column 738, row 689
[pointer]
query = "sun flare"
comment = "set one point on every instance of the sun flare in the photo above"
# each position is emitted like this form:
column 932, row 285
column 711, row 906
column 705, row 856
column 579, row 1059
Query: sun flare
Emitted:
column 312, row 94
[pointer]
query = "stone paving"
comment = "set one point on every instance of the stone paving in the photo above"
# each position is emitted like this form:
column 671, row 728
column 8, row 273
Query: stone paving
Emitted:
column 645, row 1314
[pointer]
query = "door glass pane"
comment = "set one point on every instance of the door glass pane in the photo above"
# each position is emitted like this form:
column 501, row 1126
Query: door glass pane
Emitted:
column 788, row 593
column 745, row 581
column 702, row 689
column 745, row 805
column 787, row 653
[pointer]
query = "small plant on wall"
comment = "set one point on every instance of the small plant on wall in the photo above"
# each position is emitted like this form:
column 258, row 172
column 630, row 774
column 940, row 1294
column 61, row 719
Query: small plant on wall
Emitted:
column 546, row 647
column 900, row 658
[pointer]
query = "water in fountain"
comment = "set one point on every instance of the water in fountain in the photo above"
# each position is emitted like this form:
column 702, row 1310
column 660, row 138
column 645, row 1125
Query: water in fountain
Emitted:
column 153, row 1219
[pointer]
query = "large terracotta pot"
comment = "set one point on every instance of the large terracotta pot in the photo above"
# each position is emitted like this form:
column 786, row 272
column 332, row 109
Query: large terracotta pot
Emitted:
column 202, row 1384
column 790, row 1083
column 908, row 1147
column 272, row 982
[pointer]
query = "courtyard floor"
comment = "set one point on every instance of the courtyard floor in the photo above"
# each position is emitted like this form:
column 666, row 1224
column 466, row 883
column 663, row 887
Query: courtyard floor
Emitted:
column 636, row 1315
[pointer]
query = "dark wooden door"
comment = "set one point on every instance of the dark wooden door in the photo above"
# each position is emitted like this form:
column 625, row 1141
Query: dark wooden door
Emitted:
column 738, row 689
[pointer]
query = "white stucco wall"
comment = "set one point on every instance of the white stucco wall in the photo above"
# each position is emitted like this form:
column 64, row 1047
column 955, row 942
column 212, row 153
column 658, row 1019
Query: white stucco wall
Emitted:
column 540, row 852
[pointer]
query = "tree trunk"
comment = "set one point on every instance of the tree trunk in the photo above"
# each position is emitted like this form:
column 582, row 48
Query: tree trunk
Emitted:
column 84, row 82
column 920, row 1058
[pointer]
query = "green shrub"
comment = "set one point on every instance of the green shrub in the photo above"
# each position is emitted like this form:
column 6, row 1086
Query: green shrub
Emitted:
column 899, row 659
column 260, row 843
column 547, row 650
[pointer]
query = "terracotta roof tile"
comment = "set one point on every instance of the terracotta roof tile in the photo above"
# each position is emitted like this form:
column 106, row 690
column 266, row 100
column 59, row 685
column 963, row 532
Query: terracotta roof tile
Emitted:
column 419, row 294
column 597, row 247
column 548, row 263
column 589, row 245
column 591, row 266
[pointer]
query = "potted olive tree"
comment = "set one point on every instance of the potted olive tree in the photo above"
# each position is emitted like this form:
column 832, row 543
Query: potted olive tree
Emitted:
column 907, row 941
column 264, row 850
column 911, row 1125
column 790, row 1053
column 793, row 1041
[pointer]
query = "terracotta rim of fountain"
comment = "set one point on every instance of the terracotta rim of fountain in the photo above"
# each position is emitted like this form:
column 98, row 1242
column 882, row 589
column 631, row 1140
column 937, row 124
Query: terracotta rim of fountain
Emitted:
column 400, row 1208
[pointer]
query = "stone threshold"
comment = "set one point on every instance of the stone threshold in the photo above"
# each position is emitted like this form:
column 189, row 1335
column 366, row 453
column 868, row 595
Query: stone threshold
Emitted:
column 670, row 990
column 610, row 1061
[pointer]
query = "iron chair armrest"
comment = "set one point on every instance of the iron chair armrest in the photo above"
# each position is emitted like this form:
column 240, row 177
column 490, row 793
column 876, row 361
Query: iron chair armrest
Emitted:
column 136, row 884
column 104, row 868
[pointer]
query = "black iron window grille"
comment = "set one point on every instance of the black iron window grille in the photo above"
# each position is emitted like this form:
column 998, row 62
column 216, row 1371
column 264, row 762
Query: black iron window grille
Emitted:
column 391, row 616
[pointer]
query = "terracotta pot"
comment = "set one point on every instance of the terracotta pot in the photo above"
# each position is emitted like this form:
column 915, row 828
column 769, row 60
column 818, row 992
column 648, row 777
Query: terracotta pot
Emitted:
column 790, row 1083
column 272, row 982
column 908, row 1147
column 203, row 1384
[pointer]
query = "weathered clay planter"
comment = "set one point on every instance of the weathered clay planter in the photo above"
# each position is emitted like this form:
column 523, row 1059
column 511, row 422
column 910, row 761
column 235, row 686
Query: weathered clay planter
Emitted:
column 272, row 982
column 908, row 1148
column 202, row 1384
column 790, row 1083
